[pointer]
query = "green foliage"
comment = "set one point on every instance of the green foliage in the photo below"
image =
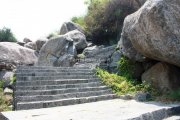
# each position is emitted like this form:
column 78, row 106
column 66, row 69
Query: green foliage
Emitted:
column 13, row 79
column 79, row 20
column 126, row 67
column 51, row 35
column 4, row 102
column 122, row 85
column 104, row 19
column 173, row 95
column 1, row 83
column 81, row 56
column 6, row 35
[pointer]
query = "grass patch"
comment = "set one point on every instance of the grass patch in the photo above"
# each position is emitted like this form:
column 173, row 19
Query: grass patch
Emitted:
column 171, row 96
column 122, row 85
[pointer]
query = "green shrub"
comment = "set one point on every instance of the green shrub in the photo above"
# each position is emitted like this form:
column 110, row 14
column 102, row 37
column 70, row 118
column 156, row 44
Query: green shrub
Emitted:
column 4, row 102
column 79, row 20
column 126, row 67
column 1, row 83
column 104, row 19
column 13, row 79
column 6, row 35
column 173, row 95
column 121, row 85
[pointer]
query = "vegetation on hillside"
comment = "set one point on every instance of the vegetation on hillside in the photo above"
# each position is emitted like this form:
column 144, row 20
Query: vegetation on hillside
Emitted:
column 124, row 83
column 6, row 35
column 104, row 19
column 4, row 100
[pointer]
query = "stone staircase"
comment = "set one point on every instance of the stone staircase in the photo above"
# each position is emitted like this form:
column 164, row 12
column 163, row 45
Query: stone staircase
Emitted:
column 43, row 87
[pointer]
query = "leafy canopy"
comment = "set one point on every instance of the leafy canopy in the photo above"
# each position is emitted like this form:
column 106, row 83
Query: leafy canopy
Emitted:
column 6, row 35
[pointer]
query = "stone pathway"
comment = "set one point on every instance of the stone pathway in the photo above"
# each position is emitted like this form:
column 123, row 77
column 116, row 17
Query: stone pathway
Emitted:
column 44, row 87
column 116, row 109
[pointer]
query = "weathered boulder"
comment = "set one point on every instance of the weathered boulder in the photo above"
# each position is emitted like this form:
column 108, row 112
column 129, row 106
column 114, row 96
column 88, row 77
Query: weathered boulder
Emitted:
column 115, row 58
column 163, row 76
column 70, row 26
column 142, row 96
column 16, row 54
column 58, row 51
column 6, row 75
column 40, row 43
column 78, row 38
column 31, row 45
column 21, row 43
column 154, row 31
column 127, row 48
column 26, row 40
column 100, row 52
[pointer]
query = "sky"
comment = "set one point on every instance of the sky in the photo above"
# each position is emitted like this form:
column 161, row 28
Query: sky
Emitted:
column 37, row 18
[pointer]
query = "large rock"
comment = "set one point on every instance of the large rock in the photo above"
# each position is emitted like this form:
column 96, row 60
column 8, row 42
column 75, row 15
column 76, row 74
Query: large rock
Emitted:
column 163, row 76
column 70, row 26
column 40, row 43
column 114, row 61
column 31, row 45
column 99, row 51
column 154, row 31
column 58, row 51
column 6, row 75
column 16, row 54
column 78, row 38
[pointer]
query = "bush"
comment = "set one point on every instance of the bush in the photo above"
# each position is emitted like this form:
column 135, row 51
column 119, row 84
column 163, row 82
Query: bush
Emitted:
column 121, row 85
column 104, row 19
column 6, row 35
column 79, row 20
column 126, row 67
column 4, row 102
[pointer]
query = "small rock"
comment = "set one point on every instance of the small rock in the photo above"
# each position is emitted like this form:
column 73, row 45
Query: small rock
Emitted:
column 8, row 91
column 141, row 96
column 126, row 97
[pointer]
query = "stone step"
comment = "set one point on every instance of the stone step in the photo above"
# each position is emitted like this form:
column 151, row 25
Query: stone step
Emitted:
column 48, row 67
column 55, row 82
column 62, row 102
column 62, row 96
column 49, row 70
column 54, row 73
column 58, row 91
column 35, row 78
column 174, row 117
column 49, row 87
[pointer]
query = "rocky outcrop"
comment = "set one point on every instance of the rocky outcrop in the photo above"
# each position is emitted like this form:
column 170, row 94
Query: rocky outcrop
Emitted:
column 154, row 31
column 15, row 54
column 163, row 76
column 58, row 51
column 70, row 26
column 99, row 51
column 21, row 43
column 31, row 45
column 78, row 38
column 26, row 40
column 114, row 61
column 40, row 43
column 6, row 75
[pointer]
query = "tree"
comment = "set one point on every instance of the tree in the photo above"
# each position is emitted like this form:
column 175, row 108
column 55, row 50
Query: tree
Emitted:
column 6, row 35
